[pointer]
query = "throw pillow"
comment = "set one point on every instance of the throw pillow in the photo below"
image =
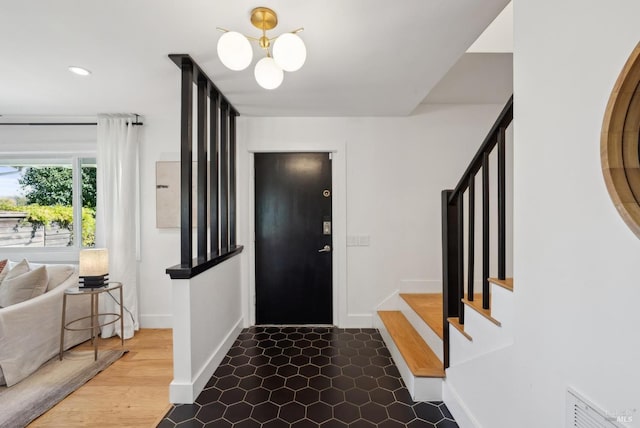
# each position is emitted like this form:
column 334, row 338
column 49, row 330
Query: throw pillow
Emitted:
column 15, row 270
column 16, row 289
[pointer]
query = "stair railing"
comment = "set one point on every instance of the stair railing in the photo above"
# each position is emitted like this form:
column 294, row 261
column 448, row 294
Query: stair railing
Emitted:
column 453, row 211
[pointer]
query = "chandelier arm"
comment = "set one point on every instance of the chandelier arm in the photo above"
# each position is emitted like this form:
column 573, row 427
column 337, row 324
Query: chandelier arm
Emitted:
column 292, row 32
column 224, row 30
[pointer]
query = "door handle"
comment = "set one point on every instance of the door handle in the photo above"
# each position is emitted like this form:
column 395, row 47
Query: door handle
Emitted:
column 325, row 249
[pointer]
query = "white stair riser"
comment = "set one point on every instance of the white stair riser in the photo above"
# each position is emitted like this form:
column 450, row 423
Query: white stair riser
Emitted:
column 420, row 388
column 427, row 334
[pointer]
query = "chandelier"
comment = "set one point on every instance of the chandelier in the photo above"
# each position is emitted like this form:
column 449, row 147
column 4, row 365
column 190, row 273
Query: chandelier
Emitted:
column 286, row 53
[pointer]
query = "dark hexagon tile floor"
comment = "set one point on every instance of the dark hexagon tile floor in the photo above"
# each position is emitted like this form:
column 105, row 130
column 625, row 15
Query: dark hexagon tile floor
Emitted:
column 298, row 377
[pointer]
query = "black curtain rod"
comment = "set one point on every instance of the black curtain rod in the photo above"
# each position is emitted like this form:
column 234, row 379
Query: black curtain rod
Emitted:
column 58, row 123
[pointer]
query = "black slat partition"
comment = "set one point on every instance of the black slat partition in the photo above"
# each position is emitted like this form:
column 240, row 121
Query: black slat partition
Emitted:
column 186, row 147
column 214, row 149
column 453, row 212
column 224, row 177
column 202, row 168
column 216, row 184
column 232, row 179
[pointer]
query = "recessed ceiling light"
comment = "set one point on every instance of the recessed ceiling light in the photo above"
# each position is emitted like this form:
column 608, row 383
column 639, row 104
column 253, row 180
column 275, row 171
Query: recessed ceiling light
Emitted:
column 79, row 70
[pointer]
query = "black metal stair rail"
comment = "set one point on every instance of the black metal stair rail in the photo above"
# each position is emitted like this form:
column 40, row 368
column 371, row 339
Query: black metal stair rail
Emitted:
column 216, row 184
column 453, row 226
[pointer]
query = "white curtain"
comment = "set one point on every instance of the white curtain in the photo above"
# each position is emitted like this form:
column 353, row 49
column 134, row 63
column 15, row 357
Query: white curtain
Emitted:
column 117, row 214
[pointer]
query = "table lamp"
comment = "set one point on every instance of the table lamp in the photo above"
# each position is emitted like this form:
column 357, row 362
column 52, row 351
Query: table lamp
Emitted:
column 94, row 267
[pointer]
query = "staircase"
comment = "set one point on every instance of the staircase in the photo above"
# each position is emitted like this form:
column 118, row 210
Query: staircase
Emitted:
column 412, row 328
column 435, row 338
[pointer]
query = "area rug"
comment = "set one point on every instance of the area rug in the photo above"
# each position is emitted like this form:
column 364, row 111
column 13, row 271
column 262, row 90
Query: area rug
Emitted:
column 56, row 379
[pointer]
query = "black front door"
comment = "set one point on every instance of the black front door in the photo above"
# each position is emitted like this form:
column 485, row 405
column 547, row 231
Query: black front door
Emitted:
column 293, row 238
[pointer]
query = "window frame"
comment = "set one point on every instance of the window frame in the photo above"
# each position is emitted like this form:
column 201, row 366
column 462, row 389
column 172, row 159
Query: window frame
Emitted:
column 68, row 254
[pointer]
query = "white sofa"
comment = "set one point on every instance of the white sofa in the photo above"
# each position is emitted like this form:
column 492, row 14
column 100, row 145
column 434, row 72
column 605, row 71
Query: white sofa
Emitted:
column 30, row 330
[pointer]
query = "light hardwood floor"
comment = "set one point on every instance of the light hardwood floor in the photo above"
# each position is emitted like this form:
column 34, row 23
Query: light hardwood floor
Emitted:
column 132, row 392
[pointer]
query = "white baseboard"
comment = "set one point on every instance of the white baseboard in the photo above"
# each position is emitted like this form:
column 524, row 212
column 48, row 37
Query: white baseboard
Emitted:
column 427, row 389
column 186, row 393
column 458, row 410
column 358, row 321
column 181, row 393
column 155, row 321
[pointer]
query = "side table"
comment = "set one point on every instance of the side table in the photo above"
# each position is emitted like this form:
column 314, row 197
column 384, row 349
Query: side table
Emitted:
column 95, row 314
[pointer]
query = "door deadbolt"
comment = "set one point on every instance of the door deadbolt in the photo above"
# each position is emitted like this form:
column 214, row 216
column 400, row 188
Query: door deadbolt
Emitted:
column 326, row 228
column 326, row 193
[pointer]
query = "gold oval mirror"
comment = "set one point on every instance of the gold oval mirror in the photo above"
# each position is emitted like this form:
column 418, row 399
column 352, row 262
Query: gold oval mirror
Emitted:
column 619, row 143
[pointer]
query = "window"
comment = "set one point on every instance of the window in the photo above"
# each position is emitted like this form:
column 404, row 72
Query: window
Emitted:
column 47, row 202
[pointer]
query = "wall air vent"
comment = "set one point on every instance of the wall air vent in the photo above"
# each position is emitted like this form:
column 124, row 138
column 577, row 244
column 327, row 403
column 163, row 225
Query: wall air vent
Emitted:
column 581, row 413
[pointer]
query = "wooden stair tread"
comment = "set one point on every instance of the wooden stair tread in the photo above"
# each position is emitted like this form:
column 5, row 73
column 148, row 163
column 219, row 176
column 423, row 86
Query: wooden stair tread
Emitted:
column 476, row 304
column 506, row 283
column 416, row 353
column 455, row 322
column 429, row 308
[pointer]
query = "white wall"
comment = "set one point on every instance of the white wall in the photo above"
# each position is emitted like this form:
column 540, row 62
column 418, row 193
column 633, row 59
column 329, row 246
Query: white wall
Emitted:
column 207, row 320
column 160, row 248
column 395, row 171
column 43, row 140
column 576, row 264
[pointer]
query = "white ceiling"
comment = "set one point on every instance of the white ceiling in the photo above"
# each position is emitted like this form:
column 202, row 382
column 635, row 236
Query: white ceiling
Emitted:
column 498, row 36
column 477, row 78
column 365, row 57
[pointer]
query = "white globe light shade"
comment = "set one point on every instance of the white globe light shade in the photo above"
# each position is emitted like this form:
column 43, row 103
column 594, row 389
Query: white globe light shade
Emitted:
column 234, row 50
column 289, row 52
column 268, row 74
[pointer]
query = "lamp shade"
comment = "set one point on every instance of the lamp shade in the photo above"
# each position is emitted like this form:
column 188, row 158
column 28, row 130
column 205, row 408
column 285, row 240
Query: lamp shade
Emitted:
column 289, row 52
column 268, row 74
column 234, row 50
column 94, row 262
